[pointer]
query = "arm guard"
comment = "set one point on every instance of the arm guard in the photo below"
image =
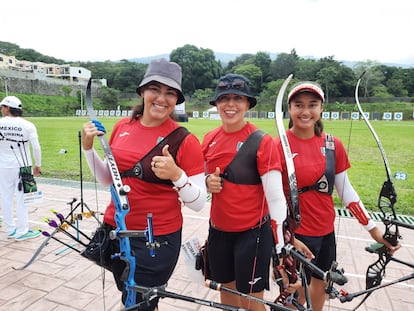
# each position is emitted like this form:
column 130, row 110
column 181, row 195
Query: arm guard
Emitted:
column 358, row 210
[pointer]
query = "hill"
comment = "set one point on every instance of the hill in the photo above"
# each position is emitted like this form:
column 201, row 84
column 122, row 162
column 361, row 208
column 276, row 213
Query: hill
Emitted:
column 225, row 58
column 8, row 48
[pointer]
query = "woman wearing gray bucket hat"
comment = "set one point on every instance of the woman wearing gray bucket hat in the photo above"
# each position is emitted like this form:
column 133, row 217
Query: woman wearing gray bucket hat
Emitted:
column 247, row 197
column 163, row 165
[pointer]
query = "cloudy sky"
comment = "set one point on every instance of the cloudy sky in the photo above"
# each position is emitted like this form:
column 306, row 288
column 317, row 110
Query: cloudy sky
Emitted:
column 86, row 30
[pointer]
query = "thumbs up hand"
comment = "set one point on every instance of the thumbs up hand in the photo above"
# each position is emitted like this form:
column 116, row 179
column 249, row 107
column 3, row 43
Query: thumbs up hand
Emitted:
column 214, row 181
column 164, row 166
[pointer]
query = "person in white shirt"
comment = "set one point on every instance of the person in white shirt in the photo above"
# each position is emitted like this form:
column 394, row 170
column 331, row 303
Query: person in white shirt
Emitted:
column 16, row 134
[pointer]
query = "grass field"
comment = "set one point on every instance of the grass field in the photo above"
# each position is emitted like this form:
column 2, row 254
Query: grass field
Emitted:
column 367, row 173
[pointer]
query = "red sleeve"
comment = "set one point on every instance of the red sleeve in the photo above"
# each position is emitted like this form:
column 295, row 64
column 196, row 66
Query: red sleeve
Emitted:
column 190, row 157
column 342, row 161
column 268, row 156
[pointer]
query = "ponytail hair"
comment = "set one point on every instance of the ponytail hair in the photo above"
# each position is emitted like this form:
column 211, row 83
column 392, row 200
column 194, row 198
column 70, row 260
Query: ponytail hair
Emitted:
column 318, row 129
column 137, row 111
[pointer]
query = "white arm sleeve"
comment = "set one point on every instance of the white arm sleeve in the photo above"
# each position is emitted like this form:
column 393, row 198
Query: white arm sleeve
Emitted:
column 192, row 190
column 98, row 167
column 348, row 194
column 37, row 152
column 273, row 189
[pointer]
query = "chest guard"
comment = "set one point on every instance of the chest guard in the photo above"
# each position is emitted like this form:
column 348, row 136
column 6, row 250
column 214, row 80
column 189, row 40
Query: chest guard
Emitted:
column 243, row 168
column 142, row 169
column 325, row 183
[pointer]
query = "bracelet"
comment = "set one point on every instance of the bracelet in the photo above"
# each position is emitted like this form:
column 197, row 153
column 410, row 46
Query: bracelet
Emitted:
column 280, row 267
column 205, row 179
column 183, row 186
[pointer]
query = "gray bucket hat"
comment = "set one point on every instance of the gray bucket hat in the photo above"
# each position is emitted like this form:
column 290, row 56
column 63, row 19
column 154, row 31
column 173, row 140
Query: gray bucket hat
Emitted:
column 165, row 72
column 234, row 84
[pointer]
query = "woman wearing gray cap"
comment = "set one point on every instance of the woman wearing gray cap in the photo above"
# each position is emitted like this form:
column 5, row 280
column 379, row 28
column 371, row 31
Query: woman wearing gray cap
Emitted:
column 164, row 167
column 248, row 206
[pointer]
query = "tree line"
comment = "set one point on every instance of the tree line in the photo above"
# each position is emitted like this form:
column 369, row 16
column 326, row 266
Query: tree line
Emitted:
column 201, row 71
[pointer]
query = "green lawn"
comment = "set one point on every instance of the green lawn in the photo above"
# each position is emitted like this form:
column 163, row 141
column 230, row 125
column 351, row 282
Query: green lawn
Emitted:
column 367, row 172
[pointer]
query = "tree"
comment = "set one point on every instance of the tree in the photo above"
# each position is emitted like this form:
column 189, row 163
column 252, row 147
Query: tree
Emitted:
column 263, row 61
column 244, row 59
column 394, row 80
column 109, row 97
column 306, row 69
column 336, row 79
column 271, row 89
column 284, row 65
column 66, row 90
column 253, row 74
column 381, row 91
column 373, row 77
column 128, row 75
column 102, row 70
column 200, row 68
column 407, row 75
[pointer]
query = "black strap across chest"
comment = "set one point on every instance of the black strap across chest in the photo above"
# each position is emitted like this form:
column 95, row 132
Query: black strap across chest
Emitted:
column 325, row 183
column 243, row 168
column 142, row 169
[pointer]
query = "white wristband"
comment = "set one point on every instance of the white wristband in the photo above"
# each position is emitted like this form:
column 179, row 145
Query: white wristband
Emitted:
column 181, row 182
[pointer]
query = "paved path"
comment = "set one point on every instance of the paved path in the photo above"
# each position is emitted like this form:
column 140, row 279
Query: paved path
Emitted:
column 60, row 279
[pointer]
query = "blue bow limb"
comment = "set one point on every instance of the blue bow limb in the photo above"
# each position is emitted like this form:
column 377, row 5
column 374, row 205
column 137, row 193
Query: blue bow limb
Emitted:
column 125, row 247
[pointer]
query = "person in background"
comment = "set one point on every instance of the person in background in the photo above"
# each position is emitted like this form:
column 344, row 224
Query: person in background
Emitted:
column 16, row 134
column 248, row 206
column 321, row 164
column 170, row 174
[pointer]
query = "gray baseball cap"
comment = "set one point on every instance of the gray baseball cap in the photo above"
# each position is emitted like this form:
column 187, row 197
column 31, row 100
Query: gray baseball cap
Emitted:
column 165, row 72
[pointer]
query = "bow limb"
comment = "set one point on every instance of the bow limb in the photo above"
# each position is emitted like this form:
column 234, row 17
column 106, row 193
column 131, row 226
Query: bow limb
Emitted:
column 38, row 251
column 293, row 215
column 293, row 188
column 386, row 201
column 375, row 273
column 388, row 196
column 119, row 195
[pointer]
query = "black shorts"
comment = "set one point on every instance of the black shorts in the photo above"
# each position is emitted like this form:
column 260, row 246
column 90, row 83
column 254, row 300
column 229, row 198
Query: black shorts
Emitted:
column 152, row 271
column 236, row 255
column 324, row 250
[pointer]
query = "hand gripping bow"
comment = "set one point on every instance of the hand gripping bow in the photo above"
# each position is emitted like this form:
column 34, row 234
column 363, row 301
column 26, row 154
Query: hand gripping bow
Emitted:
column 119, row 196
column 386, row 201
column 293, row 215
